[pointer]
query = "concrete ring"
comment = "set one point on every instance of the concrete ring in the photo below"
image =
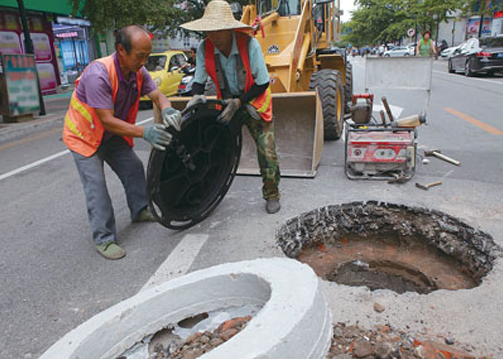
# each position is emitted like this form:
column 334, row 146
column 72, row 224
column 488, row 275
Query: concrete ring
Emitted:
column 293, row 323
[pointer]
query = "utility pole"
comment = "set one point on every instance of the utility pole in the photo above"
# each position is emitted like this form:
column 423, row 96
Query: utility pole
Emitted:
column 28, row 45
column 482, row 10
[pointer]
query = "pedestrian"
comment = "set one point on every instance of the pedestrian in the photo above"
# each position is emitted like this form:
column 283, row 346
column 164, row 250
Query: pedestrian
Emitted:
column 192, row 56
column 235, row 63
column 425, row 46
column 100, row 126
column 381, row 50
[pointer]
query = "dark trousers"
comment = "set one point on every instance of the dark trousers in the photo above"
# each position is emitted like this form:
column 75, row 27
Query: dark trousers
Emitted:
column 128, row 167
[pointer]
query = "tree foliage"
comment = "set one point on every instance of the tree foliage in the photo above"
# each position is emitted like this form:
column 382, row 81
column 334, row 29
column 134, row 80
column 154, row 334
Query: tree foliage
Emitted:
column 161, row 15
column 377, row 21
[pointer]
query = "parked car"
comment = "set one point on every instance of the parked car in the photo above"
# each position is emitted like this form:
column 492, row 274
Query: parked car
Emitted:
column 397, row 52
column 166, row 71
column 447, row 53
column 475, row 56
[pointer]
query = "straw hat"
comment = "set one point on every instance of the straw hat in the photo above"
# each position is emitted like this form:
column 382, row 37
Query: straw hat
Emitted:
column 217, row 16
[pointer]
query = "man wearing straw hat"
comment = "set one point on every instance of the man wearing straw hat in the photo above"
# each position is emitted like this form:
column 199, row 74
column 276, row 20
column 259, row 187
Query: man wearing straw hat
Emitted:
column 235, row 63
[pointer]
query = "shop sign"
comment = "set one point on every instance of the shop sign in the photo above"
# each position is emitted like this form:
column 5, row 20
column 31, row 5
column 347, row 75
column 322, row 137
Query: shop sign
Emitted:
column 21, row 83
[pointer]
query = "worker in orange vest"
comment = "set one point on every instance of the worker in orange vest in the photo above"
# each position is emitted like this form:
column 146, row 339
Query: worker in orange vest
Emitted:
column 100, row 126
column 233, row 60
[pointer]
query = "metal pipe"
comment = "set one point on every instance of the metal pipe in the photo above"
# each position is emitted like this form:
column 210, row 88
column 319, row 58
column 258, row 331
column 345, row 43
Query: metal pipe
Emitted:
column 303, row 53
column 270, row 19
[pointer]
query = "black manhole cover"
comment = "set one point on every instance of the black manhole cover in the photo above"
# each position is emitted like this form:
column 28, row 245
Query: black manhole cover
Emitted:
column 188, row 180
column 388, row 246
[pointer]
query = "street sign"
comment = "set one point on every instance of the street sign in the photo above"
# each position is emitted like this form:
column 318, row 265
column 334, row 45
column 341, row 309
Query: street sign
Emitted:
column 21, row 82
column 411, row 32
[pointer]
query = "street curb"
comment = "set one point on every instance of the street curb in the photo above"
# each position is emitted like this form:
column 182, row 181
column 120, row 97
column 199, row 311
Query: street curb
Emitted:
column 293, row 323
column 17, row 131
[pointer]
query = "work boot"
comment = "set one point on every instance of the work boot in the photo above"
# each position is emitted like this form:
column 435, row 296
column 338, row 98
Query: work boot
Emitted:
column 145, row 216
column 110, row 250
column 272, row 206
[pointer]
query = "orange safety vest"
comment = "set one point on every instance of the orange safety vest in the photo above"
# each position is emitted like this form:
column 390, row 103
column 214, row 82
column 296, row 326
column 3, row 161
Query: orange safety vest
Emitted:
column 263, row 102
column 83, row 130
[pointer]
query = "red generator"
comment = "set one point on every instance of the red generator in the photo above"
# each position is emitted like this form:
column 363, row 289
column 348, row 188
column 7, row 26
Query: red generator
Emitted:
column 380, row 153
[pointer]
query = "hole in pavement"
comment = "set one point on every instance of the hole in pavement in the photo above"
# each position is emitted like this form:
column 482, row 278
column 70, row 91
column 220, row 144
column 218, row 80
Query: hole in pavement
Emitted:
column 389, row 246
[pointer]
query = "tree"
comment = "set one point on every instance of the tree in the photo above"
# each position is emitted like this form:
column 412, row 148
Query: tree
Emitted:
column 376, row 21
column 162, row 15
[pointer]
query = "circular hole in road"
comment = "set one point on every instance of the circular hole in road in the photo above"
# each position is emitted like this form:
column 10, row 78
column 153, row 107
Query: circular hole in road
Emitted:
column 389, row 246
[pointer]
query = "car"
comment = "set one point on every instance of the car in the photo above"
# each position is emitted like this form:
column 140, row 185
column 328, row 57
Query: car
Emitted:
column 400, row 51
column 447, row 53
column 474, row 56
column 166, row 71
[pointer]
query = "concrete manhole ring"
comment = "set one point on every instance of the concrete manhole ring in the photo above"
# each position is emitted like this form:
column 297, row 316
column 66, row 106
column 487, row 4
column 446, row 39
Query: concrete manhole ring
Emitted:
column 390, row 246
column 294, row 321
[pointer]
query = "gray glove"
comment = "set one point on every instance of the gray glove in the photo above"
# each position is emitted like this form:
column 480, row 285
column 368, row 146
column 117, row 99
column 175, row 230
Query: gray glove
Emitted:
column 157, row 135
column 172, row 118
column 195, row 100
column 231, row 106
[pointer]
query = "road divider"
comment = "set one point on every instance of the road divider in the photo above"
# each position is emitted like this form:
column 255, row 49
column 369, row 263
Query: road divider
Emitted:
column 479, row 124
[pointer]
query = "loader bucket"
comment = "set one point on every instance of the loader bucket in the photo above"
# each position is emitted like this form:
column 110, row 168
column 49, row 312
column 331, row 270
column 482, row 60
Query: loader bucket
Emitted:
column 298, row 126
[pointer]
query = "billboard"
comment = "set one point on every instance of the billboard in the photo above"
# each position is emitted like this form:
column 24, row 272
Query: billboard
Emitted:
column 21, row 85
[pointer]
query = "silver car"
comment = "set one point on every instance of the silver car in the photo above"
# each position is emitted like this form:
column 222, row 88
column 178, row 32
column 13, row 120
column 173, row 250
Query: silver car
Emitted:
column 398, row 52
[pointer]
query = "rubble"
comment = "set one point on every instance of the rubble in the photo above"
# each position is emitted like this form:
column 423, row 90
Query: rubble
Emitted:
column 201, row 342
column 383, row 342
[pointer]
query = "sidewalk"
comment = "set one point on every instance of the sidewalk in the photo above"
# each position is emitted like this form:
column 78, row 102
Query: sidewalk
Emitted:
column 56, row 106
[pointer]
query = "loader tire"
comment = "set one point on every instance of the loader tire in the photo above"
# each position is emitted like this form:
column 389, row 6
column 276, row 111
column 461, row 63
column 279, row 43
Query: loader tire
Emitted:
column 331, row 91
column 348, row 88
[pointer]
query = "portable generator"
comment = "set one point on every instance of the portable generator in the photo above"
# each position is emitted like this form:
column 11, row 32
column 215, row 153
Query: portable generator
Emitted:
column 380, row 151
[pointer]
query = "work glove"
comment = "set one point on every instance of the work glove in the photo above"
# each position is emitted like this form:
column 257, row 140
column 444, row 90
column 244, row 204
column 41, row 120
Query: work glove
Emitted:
column 195, row 100
column 157, row 135
column 231, row 106
column 172, row 118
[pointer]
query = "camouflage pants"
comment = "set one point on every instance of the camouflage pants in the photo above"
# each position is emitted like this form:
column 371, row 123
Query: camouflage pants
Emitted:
column 263, row 134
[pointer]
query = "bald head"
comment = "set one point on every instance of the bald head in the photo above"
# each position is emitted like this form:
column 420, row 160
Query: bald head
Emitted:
column 129, row 35
column 133, row 46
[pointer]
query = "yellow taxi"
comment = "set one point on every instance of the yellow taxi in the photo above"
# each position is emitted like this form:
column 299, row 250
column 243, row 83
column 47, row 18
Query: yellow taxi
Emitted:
column 165, row 69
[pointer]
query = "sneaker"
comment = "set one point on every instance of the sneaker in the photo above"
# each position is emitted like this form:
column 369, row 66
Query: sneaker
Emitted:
column 272, row 206
column 145, row 216
column 110, row 250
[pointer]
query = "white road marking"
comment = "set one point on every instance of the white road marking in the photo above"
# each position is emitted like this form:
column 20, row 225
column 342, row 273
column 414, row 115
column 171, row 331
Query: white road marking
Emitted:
column 33, row 164
column 468, row 78
column 179, row 261
column 47, row 159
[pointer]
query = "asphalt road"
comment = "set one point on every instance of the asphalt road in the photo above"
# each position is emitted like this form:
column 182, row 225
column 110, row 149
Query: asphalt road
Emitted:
column 52, row 279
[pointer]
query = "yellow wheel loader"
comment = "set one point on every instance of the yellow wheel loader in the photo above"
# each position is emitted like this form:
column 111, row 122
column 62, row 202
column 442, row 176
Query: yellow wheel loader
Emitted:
column 310, row 79
column 299, row 52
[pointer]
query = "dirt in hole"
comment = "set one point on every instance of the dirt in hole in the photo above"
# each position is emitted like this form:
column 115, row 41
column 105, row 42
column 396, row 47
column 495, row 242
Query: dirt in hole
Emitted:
column 387, row 262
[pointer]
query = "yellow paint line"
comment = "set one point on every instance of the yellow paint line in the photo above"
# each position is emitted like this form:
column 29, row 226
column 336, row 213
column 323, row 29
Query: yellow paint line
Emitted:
column 30, row 139
column 479, row 124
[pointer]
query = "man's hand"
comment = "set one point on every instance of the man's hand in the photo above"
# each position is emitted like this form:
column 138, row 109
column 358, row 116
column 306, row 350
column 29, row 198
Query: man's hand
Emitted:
column 157, row 135
column 172, row 118
column 195, row 100
column 231, row 106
